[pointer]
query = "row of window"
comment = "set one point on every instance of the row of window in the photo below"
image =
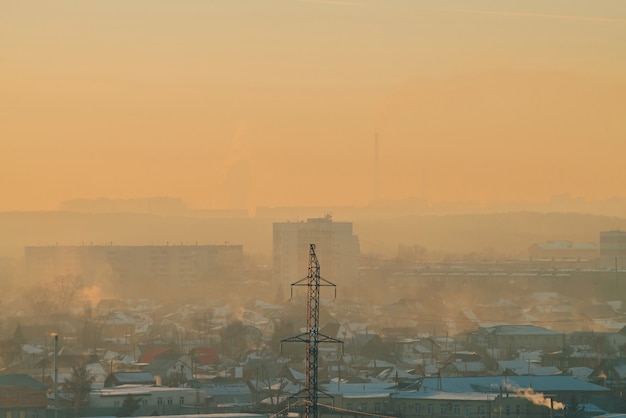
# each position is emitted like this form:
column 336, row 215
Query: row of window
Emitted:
column 144, row 402
column 444, row 409
column 20, row 414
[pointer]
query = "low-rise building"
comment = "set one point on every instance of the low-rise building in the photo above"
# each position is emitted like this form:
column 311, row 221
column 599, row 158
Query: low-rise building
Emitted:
column 129, row 378
column 228, row 396
column 613, row 249
column 151, row 400
column 21, row 396
column 430, row 403
column 564, row 250
column 503, row 341
column 470, row 397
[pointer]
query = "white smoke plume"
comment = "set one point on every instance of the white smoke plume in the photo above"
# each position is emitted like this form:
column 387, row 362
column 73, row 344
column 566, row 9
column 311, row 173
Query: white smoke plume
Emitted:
column 539, row 399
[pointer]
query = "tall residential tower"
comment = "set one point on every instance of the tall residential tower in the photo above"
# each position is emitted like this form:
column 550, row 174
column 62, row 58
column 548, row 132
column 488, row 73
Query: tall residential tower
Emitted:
column 336, row 246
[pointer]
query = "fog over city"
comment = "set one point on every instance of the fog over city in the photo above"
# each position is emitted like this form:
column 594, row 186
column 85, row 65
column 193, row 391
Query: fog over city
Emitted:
column 197, row 193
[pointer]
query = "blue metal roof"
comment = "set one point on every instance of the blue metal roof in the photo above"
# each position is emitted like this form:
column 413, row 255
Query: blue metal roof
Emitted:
column 490, row 384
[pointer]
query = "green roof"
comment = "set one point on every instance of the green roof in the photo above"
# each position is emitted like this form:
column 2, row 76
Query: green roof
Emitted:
column 21, row 380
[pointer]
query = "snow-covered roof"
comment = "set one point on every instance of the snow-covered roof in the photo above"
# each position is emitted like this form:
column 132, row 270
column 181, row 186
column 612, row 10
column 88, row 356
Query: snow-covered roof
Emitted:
column 580, row 372
column 124, row 378
column 516, row 366
column 545, row 371
column 620, row 368
column 368, row 395
column 457, row 396
column 421, row 349
column 297, row 375
column 394, row 373
column 234, row 388
column 359, row 389
column 30, row 349
column 489, row 384
column 143, row 390
column 379, row 364
column 467, row 366
column 520, row 330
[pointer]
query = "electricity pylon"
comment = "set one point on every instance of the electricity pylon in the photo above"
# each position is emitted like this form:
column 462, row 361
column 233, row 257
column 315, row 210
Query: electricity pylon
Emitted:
column 312, row 336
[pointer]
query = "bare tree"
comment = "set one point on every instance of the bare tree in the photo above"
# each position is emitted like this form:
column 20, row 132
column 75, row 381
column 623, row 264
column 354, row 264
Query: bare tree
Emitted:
column 78, row 386
column 40, row 301
column 66, row 288
column 54, row 296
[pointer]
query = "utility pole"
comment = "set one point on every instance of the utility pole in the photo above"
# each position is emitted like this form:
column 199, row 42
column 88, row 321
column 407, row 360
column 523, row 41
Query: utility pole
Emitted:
column 56, row 374
column 312, row 336
column 616, row 282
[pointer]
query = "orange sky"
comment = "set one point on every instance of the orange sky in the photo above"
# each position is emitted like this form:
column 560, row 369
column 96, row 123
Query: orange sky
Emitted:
column 244, row 103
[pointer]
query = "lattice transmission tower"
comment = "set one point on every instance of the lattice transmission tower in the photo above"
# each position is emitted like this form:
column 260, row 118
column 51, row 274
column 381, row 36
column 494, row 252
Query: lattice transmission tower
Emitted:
column 312, row 336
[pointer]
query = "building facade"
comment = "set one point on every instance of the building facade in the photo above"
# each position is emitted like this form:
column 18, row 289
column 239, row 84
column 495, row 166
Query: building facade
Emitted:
column 21, row 396
column 182, row 265
column 151, row 400
column 482, row 397
column 613, row 249
column 563, row 250
column 337, row 250
column 502, row 341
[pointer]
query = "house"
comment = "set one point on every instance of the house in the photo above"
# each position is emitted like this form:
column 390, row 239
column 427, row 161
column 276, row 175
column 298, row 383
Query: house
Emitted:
column 604, row 316
column 503, row 341
column 515, row 367
column 560, row 250
column 611, row 373
column 525, row 368
column 573, row 356
column 118, row 326
column 395, row 333
column 227, row 396
column 562, row 388
column 478, row 397
column 366, row 345
column 393, row 374
column 375, row 366
column 205, row 356
column 22, row 396
column 169, row 371
column 152, row 400
column 428, row 402
column 581, row 373
column 474, row 398
column 150, row 355
column 464, row 368
column 66, row 361
column 366, row 398
column 417, row 350
column 264, row 369
column 129, row 378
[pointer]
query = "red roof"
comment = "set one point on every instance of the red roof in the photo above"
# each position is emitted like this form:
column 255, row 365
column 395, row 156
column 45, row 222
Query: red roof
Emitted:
column 206, row 356
column 149, row 356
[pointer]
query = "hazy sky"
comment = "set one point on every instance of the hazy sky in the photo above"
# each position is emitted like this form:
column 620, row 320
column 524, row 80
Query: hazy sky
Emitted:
column 243, row 103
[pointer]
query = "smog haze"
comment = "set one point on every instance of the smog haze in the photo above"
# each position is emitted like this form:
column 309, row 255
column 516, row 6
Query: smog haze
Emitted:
column 247, row 104
column 181, row 177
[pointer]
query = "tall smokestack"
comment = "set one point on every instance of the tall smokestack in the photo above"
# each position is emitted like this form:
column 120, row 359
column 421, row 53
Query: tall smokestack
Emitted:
column 376, row 175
